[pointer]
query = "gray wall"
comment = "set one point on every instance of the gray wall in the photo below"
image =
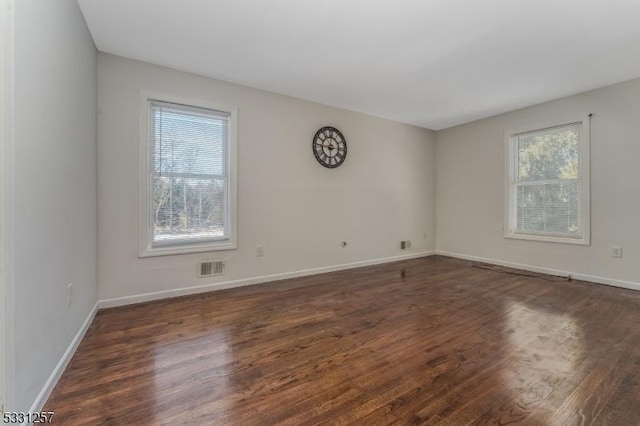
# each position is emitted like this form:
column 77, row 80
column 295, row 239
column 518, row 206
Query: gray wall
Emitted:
column 470, row 187
column 55, row 186
column 299, row 210
column 387, row 189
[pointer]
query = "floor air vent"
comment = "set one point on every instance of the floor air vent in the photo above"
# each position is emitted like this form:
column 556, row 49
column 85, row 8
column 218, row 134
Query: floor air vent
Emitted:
column 210, row 268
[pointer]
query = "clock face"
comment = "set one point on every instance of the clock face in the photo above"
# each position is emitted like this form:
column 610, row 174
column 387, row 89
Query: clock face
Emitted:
column 329, row 147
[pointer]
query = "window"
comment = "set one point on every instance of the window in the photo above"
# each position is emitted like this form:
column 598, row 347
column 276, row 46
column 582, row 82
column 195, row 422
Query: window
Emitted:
column 548, row 183
column 187, row 179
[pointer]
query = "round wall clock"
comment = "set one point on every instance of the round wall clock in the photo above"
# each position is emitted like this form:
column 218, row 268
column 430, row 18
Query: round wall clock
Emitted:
column 329, row 147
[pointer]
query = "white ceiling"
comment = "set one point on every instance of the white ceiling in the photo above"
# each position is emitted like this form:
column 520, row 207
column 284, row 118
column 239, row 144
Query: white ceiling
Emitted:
column 432, row 63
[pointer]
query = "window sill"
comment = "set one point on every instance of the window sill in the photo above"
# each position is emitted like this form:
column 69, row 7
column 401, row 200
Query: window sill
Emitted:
column 549, row 239
column 186, row 249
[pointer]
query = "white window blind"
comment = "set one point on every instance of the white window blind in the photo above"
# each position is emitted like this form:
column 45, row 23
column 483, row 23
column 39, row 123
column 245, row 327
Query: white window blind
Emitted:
column 188, row 174
column 547, row 185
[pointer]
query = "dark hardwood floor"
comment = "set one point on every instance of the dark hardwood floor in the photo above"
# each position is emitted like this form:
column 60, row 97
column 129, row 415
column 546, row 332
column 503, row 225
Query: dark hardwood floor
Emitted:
column 425, row 341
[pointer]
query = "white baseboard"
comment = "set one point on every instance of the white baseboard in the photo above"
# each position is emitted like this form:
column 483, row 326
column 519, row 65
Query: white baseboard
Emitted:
column 542, row 270
column 48, row 387
column 50, row 384
column 146, row 297
column 120, row 301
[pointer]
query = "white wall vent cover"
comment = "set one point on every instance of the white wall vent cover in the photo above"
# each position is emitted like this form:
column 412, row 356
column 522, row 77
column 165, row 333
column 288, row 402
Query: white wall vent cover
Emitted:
column 210, row 268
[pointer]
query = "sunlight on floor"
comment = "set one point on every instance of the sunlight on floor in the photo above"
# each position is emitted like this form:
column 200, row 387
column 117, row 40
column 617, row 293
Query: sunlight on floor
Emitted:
column 547, row 348
column 176, row 375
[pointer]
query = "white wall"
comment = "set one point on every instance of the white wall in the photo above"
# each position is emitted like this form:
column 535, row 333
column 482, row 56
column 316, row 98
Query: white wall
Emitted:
column 299, row 210
column 6, row 200
column 470, row 186
column 386, row 190
column 55, row 186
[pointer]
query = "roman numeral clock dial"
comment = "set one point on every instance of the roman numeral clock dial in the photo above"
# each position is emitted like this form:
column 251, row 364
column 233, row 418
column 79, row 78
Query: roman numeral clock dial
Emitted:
column 329, row 147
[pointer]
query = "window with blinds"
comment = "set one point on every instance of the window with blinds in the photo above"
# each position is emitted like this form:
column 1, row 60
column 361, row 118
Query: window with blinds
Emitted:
column 188, row 182
column 548, row 186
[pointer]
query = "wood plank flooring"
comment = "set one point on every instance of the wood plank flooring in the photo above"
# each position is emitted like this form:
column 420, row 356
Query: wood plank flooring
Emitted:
column 431, row 341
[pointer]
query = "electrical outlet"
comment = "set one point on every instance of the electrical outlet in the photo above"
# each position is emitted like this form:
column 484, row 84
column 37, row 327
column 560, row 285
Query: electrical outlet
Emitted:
column 69, row 290
column 616, row 251
column 259, row 250
column 405, row 244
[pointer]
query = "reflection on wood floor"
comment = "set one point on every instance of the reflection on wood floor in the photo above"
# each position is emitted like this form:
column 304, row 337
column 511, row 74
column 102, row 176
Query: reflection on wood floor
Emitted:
column 424, row 341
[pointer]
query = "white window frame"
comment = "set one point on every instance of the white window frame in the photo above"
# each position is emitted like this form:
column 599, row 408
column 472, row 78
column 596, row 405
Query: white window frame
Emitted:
column 145, row 233
column 584, row 190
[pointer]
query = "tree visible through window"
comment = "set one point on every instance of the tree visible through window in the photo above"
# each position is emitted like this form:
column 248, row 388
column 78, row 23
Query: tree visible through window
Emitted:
column 547, row 185
column 188, row 174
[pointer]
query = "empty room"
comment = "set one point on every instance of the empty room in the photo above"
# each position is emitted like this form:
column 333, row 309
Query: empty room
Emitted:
column 320, row 213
